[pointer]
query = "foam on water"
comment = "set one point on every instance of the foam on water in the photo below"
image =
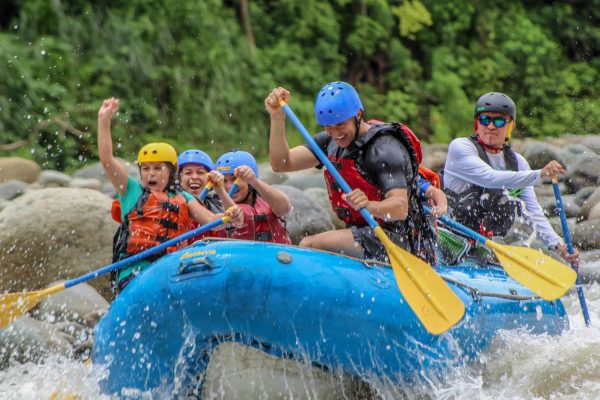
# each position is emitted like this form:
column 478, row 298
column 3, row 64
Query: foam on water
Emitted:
column 516, row 366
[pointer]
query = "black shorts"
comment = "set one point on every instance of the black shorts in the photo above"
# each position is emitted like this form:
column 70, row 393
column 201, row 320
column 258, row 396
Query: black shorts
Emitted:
column 372, row 246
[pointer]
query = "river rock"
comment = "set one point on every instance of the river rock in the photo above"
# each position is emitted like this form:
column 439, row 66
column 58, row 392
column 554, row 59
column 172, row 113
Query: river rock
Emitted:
column 594, row 212
column 81, row 304
column 83, row 183
column 55, row 233
column 12, row 189
column 29, row 340
column 583, row 194
column 96, row 171
column 320, row 196
column 584, row 173
column 589, row 269
column 20, row 169
column 590, row 202
column 306, row 179
column 592, row 142
column 586, row 234
column 541, row 154
column 307, row 217
column 50, row 178
column 267, row 175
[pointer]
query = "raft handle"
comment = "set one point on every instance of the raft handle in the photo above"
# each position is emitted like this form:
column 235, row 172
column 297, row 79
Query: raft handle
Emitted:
column 185, row 266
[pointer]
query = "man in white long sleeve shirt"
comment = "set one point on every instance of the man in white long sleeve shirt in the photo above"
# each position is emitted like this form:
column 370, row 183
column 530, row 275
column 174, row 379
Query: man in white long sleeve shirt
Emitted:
column 483, row 175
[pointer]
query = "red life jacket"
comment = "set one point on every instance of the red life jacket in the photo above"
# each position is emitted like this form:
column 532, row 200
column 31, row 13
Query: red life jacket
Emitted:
column 155, row 219
column 431, row 176
column 260, row 224
column 349, row 171
column 412, row 138
column 115, row 210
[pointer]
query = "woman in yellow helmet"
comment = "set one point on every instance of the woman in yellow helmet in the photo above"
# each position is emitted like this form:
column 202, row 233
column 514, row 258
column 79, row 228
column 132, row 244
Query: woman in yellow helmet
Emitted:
column 155, row 210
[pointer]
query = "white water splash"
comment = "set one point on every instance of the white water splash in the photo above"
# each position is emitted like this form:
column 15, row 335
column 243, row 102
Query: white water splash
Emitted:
column 516, row 366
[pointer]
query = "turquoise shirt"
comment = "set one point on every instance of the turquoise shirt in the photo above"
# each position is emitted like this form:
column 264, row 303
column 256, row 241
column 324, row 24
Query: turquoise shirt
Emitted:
column 132, row 194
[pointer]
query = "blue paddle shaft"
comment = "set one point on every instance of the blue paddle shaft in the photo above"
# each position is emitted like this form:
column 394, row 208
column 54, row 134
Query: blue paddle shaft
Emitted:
column 459, row 227
column 326, row 162
column 203, row 193
column 569, row 243
column 233, row 189
column 143, row 254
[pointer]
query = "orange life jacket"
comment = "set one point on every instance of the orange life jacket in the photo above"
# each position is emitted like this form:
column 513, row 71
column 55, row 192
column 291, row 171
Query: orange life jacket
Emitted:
column 431, row 176
column 155, row 219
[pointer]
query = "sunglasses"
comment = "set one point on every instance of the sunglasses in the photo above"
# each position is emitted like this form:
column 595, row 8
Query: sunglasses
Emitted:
column 499, row 122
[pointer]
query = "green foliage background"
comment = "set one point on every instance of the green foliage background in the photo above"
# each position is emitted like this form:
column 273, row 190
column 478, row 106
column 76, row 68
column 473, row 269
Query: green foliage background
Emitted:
column 195, row 72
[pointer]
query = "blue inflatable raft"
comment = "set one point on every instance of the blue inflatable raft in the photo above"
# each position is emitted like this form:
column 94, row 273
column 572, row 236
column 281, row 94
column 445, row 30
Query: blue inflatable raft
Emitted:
column 328, row 310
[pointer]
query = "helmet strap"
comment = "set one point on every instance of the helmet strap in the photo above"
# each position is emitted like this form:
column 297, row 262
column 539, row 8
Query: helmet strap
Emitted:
column 490, row 149
column 357, row 122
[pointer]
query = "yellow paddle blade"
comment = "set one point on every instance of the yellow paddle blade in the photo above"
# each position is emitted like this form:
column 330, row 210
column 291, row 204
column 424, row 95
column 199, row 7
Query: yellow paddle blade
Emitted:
column 435, row 304
column 14, row 305
column 542, row 274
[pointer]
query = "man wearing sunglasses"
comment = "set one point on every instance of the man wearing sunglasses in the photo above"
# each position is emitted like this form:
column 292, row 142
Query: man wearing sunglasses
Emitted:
column 488, row 183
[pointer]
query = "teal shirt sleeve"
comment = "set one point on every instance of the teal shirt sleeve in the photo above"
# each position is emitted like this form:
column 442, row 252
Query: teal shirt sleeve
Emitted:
column 188, row 197
column 132, row 194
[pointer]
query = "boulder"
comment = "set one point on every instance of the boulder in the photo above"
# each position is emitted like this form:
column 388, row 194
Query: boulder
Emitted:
column 81, row 304
column 95, row 171
column 12, row 189
column 586, row 234
column 50, row 178
column 267, row 175
column 589, row 269
column 52, row 234
column 592, row 142
column 586, row 172
column 320, row 196
column 19, row 169
column 541, row 154
column 434, row 161
column 590, row 202
column 594, row 212
column 86, row 183
column 306, row 179
column 29, row 340
column 307, row 217
column 583, row 194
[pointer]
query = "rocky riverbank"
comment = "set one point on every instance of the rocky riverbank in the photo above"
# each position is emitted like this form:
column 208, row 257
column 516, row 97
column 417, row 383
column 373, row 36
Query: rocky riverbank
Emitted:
column 55, row 226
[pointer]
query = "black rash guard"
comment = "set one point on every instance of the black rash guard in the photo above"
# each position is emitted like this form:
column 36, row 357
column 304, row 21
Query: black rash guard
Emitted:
column 386, row 163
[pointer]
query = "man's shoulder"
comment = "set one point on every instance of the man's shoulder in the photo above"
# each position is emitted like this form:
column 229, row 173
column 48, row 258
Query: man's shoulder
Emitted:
column 461, row 144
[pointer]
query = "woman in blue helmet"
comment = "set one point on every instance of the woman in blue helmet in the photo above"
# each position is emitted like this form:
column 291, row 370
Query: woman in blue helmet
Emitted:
column 196, row 169
column 378, row 161
column 263, row 205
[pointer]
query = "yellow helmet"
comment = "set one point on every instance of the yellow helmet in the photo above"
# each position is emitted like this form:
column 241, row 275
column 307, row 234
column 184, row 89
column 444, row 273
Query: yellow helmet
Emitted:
column 157, row 152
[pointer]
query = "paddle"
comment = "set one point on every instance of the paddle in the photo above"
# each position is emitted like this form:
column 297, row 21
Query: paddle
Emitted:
column 569, row 243
column 544, row 275
column 205, row 191
column 435, row 304
column 13, row 305
column 210, row 185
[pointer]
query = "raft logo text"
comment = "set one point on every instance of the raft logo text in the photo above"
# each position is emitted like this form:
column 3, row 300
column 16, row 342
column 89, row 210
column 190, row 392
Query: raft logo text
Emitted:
column 188, row 254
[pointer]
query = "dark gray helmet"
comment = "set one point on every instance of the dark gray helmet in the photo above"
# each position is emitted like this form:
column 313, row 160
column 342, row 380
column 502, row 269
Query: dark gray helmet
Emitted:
column 498, row 102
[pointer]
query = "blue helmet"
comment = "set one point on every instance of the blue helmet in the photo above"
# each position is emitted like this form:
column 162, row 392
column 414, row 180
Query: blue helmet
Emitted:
column 228, row 162
column 336, row 102
column 194, row 156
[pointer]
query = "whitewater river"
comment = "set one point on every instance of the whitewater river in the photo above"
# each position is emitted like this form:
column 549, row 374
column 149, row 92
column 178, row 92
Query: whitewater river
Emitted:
column 516, row 366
